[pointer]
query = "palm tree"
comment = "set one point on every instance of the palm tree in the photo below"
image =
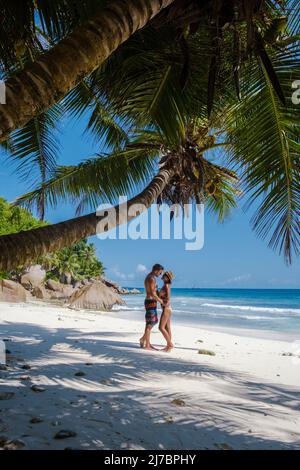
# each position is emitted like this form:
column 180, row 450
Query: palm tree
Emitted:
column 79, row 40
column 30, row 245
column 184, row 176
column 148, row 92
column 75, row 263
column 46, row 80
column 68, row 266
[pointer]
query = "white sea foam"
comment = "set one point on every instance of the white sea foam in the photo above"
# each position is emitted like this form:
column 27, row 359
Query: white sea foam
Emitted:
column 248, row 308
column 227, row 315
column 118, row 308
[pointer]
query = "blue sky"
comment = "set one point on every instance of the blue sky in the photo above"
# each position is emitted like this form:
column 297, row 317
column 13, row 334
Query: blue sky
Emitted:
column 232, row 256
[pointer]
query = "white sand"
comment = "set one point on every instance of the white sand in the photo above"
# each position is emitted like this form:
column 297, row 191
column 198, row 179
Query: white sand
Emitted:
column 245, row 397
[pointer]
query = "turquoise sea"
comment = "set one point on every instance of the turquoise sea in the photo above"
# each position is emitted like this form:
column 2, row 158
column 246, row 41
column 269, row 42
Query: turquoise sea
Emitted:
column 265, row 310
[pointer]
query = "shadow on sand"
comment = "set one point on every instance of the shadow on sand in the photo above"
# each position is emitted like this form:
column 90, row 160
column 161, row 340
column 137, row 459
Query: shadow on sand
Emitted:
column 108, row 407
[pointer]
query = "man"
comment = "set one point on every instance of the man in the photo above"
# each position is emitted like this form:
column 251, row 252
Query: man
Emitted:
column 151, row 304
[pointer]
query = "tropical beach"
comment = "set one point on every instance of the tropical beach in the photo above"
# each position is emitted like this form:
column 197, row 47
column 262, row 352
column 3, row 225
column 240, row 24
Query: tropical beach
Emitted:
column 82, row 376
column 150, row 225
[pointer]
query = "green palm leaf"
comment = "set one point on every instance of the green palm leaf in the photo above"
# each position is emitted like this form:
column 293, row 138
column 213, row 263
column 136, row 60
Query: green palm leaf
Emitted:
column 87, row 99
column 100, row 179
column 266, row 143
column 226, row 190
column 35, row 149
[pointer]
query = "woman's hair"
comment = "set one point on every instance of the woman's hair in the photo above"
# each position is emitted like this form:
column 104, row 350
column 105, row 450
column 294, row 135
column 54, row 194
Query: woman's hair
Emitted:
column 167, row 279
column 169, row 275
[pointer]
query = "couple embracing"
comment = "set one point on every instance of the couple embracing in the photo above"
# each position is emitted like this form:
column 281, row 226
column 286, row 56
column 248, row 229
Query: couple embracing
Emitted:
column 153, row 297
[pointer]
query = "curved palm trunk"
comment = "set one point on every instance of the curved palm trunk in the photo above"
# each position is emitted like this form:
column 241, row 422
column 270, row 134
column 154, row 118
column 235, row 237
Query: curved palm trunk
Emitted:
column 24, row 247
column 48, row 79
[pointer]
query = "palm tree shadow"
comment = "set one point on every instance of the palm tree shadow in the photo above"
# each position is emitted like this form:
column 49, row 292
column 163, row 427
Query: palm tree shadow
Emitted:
column 107, row 404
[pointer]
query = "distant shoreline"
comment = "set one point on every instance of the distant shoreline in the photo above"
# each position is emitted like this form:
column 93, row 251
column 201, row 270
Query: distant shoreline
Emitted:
column 225, row 288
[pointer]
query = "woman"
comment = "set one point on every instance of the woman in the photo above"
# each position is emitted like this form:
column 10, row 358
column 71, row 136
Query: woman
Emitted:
column 165, row 319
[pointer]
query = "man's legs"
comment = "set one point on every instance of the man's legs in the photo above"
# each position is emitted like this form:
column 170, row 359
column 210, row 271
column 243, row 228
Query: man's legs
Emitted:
column 143, row 338
column 151, row 320
column 148, row 330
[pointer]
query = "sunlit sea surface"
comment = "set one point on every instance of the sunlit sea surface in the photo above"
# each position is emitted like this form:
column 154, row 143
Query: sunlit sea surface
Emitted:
column 265, row 310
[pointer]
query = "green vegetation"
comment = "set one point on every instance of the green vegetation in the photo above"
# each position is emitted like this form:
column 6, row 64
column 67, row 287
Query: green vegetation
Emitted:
column 203, row 96
column 15, row 219
column 78, row 262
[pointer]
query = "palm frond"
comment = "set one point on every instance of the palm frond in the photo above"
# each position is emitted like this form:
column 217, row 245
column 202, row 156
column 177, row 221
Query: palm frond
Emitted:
column 142, row 80
column 266, row 142
column 35, row 149
column 87, row 99
column 59, row 17
column 293, row 13
column 36, row 144
column 101, row 179
column 222, row 190
column 16, row 31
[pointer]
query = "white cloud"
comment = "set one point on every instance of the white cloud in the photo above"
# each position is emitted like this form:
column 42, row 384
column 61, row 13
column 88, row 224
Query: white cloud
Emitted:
column 120, row 275
column 237, row 279
column 141, row 268
column 116, row 273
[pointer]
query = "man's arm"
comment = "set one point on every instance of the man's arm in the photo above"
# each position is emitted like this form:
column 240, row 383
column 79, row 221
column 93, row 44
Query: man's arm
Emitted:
column 152, row 288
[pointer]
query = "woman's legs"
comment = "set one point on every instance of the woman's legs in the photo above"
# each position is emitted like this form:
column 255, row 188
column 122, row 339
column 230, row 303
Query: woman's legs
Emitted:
column 163, row 327
column 168, row 328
